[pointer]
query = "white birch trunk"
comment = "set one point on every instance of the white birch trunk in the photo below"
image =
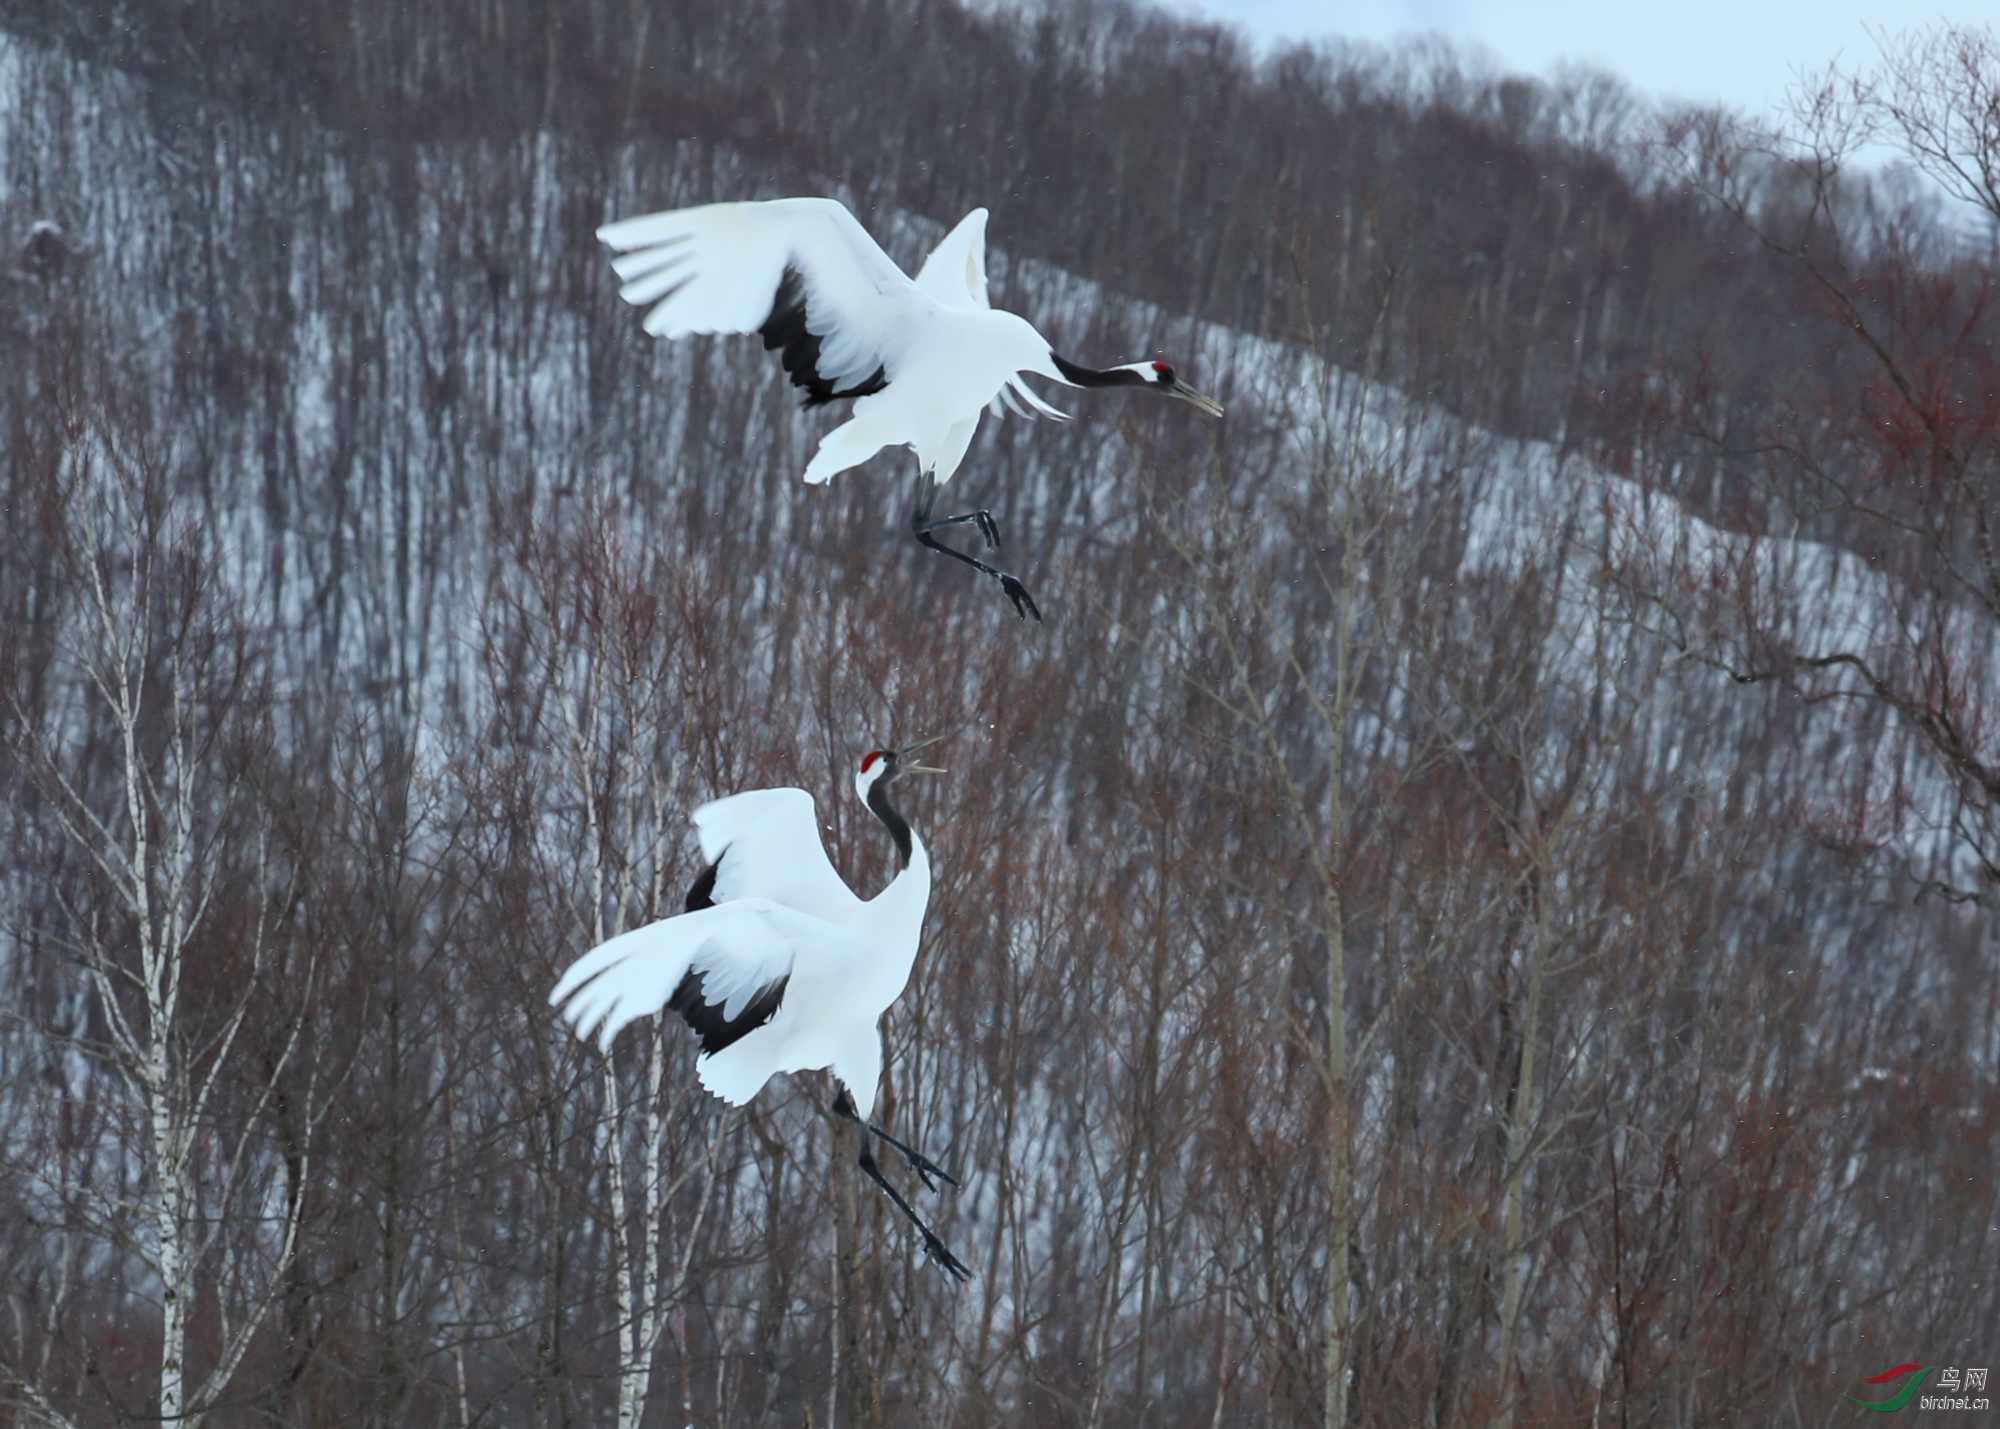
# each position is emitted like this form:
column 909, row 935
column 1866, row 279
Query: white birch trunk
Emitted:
column 1514, row 1272
column 164, row 885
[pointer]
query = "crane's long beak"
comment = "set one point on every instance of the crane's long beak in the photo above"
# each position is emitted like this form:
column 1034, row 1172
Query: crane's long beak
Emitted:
column 911, row 748
column 1180, row 389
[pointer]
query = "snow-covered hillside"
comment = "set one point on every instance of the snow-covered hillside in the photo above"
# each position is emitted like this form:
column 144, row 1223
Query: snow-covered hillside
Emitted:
column 443, row 594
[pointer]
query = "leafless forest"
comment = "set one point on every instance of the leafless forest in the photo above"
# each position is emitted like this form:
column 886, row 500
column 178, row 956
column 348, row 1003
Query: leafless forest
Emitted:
column 1477, row 909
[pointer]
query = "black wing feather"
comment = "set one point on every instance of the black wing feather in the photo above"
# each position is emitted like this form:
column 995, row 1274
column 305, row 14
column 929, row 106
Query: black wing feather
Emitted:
column 785, row 333
column 715, row 1030
column 706, row 1018
column 702, row 894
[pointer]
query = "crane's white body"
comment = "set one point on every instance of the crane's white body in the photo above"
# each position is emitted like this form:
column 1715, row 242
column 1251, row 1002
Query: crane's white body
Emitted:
column 780, row 913
column 942, row 354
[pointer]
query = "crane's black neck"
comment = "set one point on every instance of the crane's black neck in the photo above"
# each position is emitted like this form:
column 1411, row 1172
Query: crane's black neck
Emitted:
column 899, row 827
column 1091, row 377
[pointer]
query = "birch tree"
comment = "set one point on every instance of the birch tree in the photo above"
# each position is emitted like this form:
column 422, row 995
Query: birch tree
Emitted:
column 1293, row 610
column 144, row 750
column 593, row 622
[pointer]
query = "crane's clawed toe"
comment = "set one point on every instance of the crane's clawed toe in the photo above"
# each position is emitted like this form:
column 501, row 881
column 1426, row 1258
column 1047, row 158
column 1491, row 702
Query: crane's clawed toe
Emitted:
column 926, row 1169
column 1024, row 604
column 989, row 529
column 949, row 1263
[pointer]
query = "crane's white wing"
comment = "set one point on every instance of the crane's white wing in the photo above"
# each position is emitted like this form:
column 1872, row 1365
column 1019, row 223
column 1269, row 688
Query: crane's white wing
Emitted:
column 765, row 843
column 800, row 271
column 723, row 969
column 955, row 273
column 954, row 276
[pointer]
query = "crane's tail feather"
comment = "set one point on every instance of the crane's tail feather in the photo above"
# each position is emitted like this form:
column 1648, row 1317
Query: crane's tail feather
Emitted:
column 1027, row 394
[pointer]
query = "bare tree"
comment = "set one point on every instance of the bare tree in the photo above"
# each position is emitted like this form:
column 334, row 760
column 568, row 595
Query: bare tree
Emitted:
column 1373, row 973
column 1288, row 674
column 1890, row 455
column 142, row 750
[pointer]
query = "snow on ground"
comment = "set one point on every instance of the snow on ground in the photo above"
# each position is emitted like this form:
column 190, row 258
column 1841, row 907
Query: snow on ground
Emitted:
column 74, row 164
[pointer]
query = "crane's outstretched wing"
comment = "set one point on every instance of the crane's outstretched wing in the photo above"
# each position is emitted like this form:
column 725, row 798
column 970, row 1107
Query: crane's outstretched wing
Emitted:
column 954, row 276
column 955, row 273
column 800, row 271
column 765, row 843
column 723, row 969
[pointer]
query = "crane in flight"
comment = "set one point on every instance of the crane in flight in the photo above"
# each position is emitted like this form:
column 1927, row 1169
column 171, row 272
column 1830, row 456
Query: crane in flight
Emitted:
column 776, row 964
column 920, row 358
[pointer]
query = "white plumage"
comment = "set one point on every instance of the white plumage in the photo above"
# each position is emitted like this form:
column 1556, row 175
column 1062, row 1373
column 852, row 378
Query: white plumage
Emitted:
column 777, row 965
column 783, row 926
column 920, row 358
column 942, row 353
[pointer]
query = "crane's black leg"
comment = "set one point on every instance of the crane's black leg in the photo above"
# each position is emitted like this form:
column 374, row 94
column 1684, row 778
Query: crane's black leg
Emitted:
column 843, row 1106
column 982, row 519
column 924, row 522
column 933, row 1247
column 922, row 525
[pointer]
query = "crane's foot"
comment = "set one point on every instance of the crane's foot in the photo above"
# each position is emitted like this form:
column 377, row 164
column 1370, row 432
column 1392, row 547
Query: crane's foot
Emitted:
column 843, row 1107
column 941, row 1256
column 989, row 529
column 928, row 1171
column 1024, row 604
column 936, row 1249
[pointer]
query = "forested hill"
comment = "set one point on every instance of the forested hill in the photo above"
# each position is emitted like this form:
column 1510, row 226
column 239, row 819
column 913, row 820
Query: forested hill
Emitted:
column 1474, row 910
column 1539, row 266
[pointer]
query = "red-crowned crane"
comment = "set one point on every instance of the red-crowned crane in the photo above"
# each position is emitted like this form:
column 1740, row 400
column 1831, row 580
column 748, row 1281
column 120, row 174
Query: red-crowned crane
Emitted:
column 920, row 358
column 776, row 964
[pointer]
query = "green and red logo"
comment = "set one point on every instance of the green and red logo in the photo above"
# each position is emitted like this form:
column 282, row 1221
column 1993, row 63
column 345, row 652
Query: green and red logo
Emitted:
column 1901, row 1396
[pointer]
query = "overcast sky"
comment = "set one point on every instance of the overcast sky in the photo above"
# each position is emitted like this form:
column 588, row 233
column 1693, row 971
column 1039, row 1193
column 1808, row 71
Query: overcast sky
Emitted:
column 1742, row 53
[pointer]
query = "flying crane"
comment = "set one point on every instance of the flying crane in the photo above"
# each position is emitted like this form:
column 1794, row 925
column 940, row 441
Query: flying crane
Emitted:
column 776, row 964
column 920, row 358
